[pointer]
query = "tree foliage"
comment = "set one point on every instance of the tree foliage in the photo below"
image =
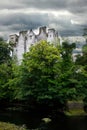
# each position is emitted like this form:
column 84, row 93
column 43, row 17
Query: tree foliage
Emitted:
column 46, row 74
column 5, row 69
column 4, row 52
column 81, row 62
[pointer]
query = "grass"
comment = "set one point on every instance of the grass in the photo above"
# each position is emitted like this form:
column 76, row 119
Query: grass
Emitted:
column 9, row 126
column 75, row 112
column 75, row 108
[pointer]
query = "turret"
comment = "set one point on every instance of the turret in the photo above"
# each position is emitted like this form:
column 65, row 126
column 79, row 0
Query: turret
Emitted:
column 51, row 35
column 13, row 39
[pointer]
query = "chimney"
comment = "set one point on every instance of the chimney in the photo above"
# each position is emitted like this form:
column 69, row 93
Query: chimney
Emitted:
column 23, row 33
column 42, row 30
column 52, row 30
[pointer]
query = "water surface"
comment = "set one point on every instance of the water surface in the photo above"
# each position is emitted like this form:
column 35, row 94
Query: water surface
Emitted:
column 33, row 121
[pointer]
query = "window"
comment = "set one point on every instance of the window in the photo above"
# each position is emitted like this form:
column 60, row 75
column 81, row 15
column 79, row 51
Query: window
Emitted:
column 30, row 36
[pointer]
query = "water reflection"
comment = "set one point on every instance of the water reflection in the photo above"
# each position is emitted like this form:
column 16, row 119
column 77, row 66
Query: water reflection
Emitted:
column 34, row 120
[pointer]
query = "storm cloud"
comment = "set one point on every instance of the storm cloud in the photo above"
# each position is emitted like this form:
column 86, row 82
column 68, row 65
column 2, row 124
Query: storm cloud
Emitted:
column 68, row 17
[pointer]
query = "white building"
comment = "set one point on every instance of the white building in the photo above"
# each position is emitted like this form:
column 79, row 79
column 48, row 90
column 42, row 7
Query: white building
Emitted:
column 23, row 41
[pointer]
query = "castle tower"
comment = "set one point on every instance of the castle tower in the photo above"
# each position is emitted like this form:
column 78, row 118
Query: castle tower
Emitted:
column 13, row 40
column 51, row 35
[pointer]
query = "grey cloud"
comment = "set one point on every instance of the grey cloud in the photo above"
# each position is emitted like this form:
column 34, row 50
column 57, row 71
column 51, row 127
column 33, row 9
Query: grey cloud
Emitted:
column 14, row 22
column 57, row 4
column 41, row 4
column 71, row 5
column 23, row 20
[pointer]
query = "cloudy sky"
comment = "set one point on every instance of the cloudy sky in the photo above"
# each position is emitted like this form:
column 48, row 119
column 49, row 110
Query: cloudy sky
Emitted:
column 69, row 17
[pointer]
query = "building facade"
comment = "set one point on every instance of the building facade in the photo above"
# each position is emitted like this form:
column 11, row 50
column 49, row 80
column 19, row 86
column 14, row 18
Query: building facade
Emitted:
column 23, row 41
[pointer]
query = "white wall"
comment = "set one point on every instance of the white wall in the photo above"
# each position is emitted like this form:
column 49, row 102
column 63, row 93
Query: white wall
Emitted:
column 31, row 39
column 20, row 47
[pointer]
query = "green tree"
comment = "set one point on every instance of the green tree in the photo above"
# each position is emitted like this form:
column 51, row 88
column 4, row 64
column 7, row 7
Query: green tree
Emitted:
column 46, row 75
column 81, row 62
column 4, row 52
column 66, row 53
column 82, row 59
column 5, row 69
column 39, row 67
column 67, row 78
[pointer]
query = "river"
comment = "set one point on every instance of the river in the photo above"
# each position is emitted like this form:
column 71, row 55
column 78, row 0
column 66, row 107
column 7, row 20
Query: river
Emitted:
column 33, row 121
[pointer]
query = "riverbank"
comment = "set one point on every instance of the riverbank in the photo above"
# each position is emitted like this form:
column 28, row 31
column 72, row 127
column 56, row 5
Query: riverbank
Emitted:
column 9, row 126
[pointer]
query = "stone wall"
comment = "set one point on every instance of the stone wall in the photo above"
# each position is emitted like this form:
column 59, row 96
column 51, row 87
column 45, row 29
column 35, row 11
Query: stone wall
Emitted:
column 75, row 105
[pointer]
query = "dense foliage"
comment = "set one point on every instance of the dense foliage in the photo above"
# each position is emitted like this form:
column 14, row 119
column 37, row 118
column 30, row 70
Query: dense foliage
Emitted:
column 5, row 69
column 81, row 62
column 47, row 76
